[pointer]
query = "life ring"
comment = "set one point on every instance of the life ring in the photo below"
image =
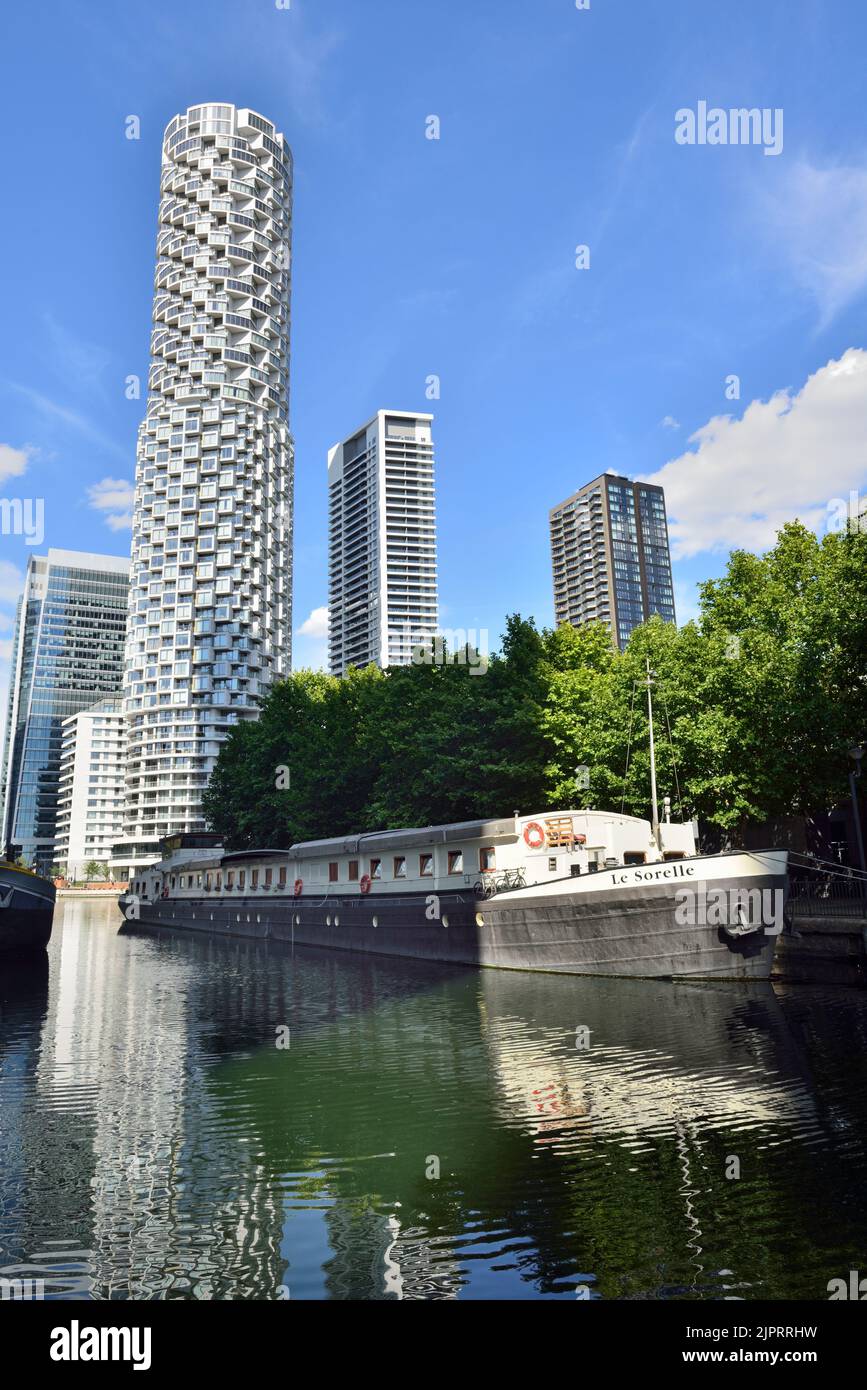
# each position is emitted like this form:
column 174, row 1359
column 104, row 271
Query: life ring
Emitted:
column 534, row 835
column 299, row 887
column 364, row 885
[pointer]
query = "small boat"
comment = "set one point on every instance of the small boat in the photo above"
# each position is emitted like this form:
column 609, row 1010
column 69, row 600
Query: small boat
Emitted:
column 26, row 910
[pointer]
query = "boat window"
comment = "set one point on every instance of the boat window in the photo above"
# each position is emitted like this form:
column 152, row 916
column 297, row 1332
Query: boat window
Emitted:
column 219, row 880
column 198, row 880
column 207, row 883
column 242, row 877
column 425, row 865
column 332, row 873
column 487, row 860
column 173, row 880
column 399, row 866
column 254, row 878
column 552, row 864
column 674, row 854
column 353, row 871
column 592, row 867
column 376, row 868
column 634, row 856
column 456, row 861
column 575, row 870
column 281, row 881
column 230, row 879
column 269, row 877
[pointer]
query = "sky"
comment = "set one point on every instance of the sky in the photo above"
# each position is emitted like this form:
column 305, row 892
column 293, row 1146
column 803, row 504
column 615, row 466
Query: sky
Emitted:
column 709, row 336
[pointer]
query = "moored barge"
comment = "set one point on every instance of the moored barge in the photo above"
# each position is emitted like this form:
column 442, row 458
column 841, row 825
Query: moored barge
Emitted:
column 577, row 891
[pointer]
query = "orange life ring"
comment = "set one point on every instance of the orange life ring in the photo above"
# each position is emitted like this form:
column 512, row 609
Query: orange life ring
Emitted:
column 364, row 885
column 534, row 835
column 299, row 887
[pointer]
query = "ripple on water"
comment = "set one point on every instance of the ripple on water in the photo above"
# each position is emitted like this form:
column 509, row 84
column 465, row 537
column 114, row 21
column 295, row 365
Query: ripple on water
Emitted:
column 429, row 1132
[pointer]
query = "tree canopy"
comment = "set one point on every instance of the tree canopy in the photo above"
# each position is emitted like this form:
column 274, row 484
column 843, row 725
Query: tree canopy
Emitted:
column 756, row 705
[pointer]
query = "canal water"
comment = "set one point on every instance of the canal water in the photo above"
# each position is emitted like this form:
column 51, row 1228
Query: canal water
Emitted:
column 190, row 1119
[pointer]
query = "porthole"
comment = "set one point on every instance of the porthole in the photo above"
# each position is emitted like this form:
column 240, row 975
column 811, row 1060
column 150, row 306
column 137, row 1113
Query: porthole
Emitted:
column 445, row 920
column 258, row 917
column 297, row 920
column 376, row 921
column 237, row 916
column 248, row 916
column 337, row 921
column 328, row 921
column 480, row 921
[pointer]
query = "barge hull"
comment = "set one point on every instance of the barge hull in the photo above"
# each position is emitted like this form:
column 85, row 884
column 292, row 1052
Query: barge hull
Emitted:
column 26, row 912
column 631, row 932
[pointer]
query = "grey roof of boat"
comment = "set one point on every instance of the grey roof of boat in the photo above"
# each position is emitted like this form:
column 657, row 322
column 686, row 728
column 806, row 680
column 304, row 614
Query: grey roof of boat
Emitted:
column 406, row 839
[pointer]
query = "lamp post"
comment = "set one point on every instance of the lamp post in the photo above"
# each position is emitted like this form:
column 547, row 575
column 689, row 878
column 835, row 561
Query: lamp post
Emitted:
column 856, row 754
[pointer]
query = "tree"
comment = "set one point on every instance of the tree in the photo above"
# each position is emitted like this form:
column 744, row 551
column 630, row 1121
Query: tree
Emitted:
column 756, row 704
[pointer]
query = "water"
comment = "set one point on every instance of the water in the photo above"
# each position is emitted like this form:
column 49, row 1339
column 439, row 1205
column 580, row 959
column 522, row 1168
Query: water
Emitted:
column 156, row 1142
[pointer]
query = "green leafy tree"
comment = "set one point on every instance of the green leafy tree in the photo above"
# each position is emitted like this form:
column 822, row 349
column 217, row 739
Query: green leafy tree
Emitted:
column 756, row 704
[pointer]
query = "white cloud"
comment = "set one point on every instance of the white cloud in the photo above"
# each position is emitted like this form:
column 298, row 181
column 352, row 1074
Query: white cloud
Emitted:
column 13, row 462
column 816, row 218
column 316, row 625
column 114, row 497
column 668, row 422
column 786, row 457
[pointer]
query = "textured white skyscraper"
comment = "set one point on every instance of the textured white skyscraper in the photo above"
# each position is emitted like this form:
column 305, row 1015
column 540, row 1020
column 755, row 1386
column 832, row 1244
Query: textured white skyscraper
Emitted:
column 210, row 604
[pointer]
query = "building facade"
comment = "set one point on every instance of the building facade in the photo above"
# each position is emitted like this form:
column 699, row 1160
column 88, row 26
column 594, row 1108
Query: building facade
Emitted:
column 382, row 568
column 67, row 654
column 610, row 556
column 210, row 605
column 91, row 787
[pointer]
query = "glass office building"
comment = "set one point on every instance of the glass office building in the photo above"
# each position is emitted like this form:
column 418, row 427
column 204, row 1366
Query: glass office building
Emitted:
column 67, row 654
column 610, row 556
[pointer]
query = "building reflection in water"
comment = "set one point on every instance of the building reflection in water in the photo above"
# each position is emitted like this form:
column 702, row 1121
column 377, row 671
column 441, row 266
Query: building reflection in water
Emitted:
column 158, row 1144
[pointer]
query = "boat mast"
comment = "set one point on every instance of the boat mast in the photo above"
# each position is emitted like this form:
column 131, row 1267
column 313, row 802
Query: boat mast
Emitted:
column 653, row 800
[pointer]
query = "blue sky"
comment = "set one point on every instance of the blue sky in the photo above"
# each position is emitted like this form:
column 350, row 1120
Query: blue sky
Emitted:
column 456, row 257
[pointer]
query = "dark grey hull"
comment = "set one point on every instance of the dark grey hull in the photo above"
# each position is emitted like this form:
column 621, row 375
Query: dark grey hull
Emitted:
column 626, row 932
column 26, row 913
